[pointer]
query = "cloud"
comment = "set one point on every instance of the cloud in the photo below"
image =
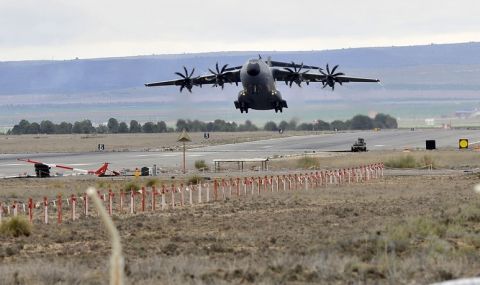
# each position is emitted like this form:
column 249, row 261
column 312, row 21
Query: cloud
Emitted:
column 88, row 28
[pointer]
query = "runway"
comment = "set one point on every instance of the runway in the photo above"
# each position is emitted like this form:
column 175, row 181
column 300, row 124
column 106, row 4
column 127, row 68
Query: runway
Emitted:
column 341, row 141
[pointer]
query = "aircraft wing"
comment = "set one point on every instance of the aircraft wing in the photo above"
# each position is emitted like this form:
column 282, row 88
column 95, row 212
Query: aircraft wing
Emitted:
column 309, row 76
column 187, row 81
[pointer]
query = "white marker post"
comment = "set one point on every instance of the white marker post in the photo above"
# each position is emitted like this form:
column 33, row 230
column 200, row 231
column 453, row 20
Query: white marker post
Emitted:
column 74, row 207
column 132, row 201
column 1, row 212
column 199, row 186
column 85, row 205
column 190, row 194
column 173, row 196
column 14, row 207
column 45, row 210
column 208, row 192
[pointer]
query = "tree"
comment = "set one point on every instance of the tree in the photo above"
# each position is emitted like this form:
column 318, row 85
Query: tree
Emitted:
column 182, row 125
column 305, row 127
column 384, row 121
column 361, row 122
column 47, row 127
column 149, row 127
column 161, row 127
column 337, row 125
column 21, row 128
column 135, row 127
column 270, row 126
column 63, row 128
column 283, row 125
column 321, row 125
column 102, row 129
column 33, row 129
column 83, row 127
column 123, row 128
column 112, row 126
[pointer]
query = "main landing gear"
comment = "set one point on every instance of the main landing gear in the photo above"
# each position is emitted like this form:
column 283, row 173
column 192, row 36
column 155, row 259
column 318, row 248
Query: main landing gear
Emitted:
column 242, row 106
column 278, row 109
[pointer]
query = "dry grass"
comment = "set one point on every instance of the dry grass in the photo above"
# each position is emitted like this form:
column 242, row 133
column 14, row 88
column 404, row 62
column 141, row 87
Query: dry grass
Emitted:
column 122, row 142
column 400, row 230
column 16, row 226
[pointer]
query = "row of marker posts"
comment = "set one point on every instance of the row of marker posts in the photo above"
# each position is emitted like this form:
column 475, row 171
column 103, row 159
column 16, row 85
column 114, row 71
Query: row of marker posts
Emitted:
column 182, row 194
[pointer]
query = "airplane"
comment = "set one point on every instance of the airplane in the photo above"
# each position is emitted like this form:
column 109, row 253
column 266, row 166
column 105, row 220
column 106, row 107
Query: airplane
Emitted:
column 258, row 79
column 44, row 168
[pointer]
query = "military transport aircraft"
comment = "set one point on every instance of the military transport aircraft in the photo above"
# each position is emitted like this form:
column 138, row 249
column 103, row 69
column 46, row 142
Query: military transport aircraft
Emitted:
column 258, row 78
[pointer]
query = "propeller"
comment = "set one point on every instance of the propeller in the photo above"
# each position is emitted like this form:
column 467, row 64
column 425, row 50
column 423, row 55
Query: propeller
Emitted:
column 220, row 76
column 295, row 75
column 187, row 80
column 330, row 77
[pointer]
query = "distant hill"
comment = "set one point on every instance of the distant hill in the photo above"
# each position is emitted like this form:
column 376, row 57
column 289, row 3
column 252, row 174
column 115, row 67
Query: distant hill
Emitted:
column 417, row 82
column 452, row 66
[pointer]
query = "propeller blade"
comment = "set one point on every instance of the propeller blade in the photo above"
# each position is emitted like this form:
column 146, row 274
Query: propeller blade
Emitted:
column 216, row 67
column 193, row 70
column 186, row 72
column 334, row 68
column 224, row 67
column 211, row 71
column 339, row 74
column 179, row 74
column 289, row 70
column 181, row 88
column 328, row 70
column 323, row 73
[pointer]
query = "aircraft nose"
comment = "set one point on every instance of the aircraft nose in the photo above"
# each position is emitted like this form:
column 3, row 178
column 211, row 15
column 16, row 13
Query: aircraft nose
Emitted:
column 253, row 69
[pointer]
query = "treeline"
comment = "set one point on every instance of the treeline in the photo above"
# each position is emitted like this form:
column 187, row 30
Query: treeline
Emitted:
column 86, row 127
column 113, row 126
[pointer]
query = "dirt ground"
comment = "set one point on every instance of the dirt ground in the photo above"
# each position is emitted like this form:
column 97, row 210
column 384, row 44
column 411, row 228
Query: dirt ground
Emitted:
column 414, row 226
column 330, row 235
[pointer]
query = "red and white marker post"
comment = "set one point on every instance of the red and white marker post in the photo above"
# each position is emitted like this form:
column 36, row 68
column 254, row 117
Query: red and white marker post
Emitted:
column 143, row 198
column 30, row 210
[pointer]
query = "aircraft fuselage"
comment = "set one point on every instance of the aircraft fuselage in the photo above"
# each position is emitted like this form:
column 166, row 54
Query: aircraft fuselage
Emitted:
column 259, row 90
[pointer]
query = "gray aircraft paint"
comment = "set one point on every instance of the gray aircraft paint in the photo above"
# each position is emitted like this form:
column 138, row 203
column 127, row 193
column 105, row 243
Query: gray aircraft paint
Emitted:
column 259, row 91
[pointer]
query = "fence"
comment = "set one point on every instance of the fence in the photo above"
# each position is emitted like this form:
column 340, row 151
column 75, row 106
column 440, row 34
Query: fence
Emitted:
column 180, row 195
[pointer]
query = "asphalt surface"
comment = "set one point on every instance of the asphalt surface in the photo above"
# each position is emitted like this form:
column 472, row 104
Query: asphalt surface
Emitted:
column 342, row 141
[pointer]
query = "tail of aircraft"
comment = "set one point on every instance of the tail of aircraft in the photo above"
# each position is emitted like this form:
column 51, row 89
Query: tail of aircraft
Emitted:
column 102, row 170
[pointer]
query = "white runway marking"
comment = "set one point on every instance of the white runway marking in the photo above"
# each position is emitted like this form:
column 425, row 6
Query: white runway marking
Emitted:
column 13, row 164
column 267, row 146
column 379, row 145
column 195, row 155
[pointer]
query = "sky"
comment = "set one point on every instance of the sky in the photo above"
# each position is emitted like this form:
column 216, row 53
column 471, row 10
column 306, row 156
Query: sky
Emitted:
column 62, row 29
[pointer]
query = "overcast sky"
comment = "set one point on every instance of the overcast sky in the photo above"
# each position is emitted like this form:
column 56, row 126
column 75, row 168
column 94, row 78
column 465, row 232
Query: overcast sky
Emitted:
column 63, row 29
